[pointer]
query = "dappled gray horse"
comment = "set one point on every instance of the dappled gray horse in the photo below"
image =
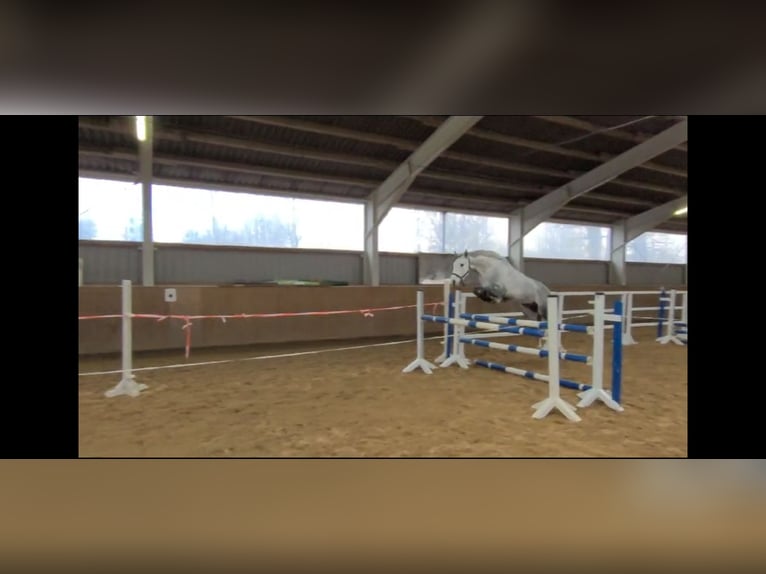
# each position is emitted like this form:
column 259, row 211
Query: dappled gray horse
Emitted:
column 500, row 281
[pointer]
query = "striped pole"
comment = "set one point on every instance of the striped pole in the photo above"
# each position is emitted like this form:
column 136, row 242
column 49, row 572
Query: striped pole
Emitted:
column 525, row 350
column 566, row 383
column 523, row 322
column 487, row 326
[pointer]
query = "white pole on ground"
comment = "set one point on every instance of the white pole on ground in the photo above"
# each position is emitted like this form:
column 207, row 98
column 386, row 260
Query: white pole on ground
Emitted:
column 554, row 400
column 420, row 361
column 128, row 385
column 597, row 385
column 446, row 290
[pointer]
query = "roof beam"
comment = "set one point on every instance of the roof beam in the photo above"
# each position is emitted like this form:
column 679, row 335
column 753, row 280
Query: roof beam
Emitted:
column 168, row 159
column 552, row 148
column 648, row 220
column 175, row 134
column 125, row 153
column 595, row 129
column 329, row 129
column 396, row 184
column 541, row 209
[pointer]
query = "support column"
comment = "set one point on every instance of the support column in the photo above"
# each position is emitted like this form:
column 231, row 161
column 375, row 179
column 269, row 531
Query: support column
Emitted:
column 371, row 263
column 516, row 240
column 617, row 268
column 145, row 171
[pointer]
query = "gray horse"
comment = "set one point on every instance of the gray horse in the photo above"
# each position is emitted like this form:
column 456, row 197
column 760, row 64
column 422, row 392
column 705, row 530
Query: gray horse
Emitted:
column 500, row 281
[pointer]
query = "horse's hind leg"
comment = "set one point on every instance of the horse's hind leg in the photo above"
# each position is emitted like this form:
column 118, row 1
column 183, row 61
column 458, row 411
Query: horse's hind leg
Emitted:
column 531, row 311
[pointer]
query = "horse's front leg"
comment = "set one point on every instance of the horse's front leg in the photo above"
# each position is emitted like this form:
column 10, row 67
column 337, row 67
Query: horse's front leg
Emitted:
column 488, row 294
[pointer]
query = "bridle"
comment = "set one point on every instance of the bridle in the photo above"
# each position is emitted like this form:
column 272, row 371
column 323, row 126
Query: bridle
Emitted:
column 462, row 277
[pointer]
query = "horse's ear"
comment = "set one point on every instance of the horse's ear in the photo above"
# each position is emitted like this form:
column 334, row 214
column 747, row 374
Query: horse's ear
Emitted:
column 466, row 253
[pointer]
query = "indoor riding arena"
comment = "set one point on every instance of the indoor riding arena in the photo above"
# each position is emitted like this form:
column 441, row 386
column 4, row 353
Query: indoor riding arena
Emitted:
column 272, row 311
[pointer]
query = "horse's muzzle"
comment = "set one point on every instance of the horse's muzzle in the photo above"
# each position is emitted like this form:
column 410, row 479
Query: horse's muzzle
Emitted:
column 456, row 279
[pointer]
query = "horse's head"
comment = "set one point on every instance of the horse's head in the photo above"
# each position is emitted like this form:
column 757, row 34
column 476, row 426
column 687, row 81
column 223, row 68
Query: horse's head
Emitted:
column 461, row 266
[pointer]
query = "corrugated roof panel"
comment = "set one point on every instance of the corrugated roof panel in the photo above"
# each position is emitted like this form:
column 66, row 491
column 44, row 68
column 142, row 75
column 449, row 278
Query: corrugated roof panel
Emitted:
column 502, row 175
column 620, row 191
column 102, row 138
column 529, row 127
column 107, row 165
column 674, row 158
column 651, row 125
column 395, row 126
column 646, row 175
column 295, row 144
column 520, row 154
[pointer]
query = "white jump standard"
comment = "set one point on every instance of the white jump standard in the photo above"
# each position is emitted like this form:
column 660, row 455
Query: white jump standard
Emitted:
column 421, row 360
column 676, row 331
column 454, row 350
column 128, row 385
column 554, row 400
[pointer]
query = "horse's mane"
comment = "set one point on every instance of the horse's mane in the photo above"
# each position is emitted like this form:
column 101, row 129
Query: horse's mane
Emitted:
column 487, row 253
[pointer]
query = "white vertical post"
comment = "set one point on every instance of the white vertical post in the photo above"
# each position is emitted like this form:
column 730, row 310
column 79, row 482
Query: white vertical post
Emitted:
column 447, row 289
column 420, row 361
column 371, row 267
column 461, row 305
column 624, row 299
column 684, row 310
column 597, row 363
column 627, row 319
column 128, row 385
column 457, row 354
column 670, row 331
column 561, row 320
column 554, row 400
column 597, row 359
column 553, row 354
